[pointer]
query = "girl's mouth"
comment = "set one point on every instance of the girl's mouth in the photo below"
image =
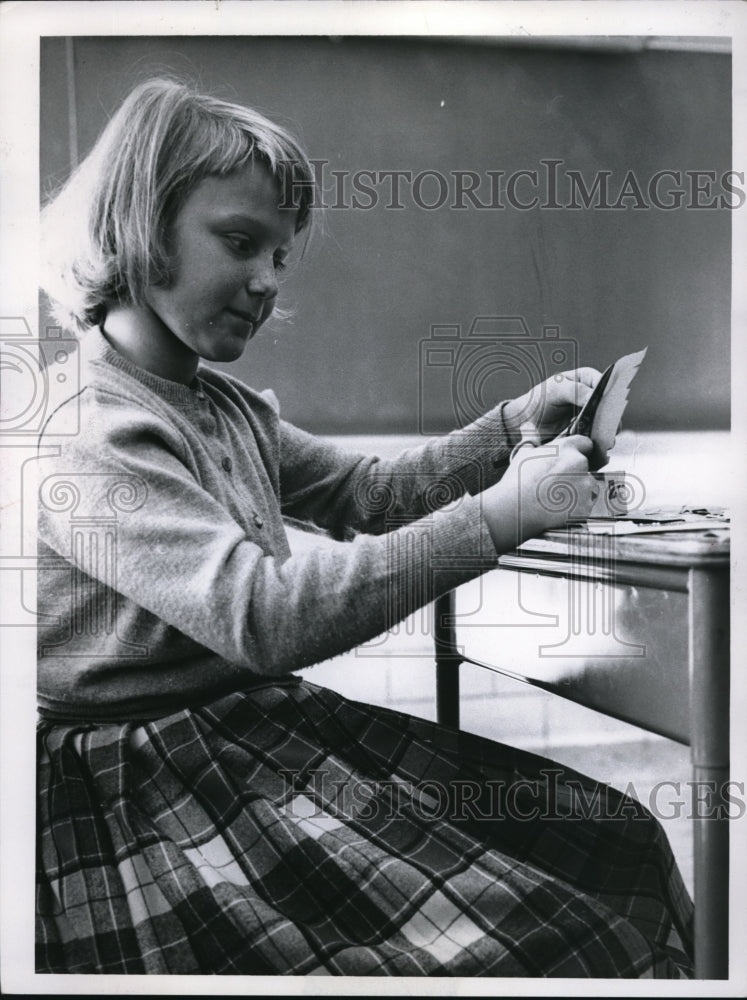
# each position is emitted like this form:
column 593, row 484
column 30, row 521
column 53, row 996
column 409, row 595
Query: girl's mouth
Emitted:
column 247, row 318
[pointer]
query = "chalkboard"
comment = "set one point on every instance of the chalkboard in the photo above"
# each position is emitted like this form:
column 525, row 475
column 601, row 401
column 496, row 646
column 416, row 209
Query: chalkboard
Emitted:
column 445, row 287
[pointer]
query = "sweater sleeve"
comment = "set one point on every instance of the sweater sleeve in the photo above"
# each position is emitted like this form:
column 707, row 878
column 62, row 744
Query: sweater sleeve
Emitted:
column 342, row 491
column 182, row 557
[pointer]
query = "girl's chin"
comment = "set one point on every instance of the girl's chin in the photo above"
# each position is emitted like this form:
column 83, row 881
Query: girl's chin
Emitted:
column 229, row 349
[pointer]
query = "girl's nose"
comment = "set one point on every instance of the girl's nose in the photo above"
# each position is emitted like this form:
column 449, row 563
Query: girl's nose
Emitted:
column 262, row 279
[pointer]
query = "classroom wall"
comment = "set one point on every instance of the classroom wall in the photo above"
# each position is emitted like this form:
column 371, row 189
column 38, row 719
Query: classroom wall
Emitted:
column 355, row 357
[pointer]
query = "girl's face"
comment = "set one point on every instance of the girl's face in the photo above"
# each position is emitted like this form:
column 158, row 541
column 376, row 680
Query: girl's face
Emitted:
column 229, row 241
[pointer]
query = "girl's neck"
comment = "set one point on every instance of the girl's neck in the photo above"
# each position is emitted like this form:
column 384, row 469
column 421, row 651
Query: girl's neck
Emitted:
column 140, row 336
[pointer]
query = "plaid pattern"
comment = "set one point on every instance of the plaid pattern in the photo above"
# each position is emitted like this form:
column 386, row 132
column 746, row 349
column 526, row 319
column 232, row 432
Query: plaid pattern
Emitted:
column 288, row 830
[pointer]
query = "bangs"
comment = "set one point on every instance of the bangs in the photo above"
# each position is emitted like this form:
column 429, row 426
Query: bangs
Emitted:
column 224, row 138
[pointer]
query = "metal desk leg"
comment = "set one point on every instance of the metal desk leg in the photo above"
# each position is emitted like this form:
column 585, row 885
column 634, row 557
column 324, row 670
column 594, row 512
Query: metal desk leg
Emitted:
column 709, row 720
column 447, row 661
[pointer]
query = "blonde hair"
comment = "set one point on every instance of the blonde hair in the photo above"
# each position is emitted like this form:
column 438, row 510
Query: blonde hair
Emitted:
column 105, row 235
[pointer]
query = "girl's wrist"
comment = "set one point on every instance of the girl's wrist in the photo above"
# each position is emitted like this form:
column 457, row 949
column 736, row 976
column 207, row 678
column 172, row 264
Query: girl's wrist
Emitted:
column 501, row 513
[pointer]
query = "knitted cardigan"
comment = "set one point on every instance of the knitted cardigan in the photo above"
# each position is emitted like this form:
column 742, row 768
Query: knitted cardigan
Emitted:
column 165, row 573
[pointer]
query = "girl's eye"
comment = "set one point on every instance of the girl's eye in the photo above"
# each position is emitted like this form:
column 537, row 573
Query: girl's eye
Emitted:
column 239, row 243
column 243, row 246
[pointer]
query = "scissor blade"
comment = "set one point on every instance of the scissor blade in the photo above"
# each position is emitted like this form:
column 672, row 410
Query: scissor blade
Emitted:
column 584, row 419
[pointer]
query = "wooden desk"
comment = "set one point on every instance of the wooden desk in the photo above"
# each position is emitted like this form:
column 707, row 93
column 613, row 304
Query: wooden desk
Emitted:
column 634, row 626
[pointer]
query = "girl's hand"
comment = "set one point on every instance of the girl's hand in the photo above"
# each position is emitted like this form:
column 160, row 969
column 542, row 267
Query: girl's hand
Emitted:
column 542, row 488
column 551, row 405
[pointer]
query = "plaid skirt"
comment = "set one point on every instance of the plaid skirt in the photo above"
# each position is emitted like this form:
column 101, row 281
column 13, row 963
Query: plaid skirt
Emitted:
column 289, row 830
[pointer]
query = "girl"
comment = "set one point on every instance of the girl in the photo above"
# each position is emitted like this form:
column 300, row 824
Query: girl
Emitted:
column 201, row 809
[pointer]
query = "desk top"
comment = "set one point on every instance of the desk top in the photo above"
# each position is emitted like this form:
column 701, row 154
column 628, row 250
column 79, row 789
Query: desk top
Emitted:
column 692, row 540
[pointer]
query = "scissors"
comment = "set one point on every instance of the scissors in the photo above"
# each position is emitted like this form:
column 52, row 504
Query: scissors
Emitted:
column 583, row 422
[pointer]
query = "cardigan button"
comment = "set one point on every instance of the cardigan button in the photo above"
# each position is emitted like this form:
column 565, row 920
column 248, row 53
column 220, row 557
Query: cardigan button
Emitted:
column 258, row 520
column 226, row 463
